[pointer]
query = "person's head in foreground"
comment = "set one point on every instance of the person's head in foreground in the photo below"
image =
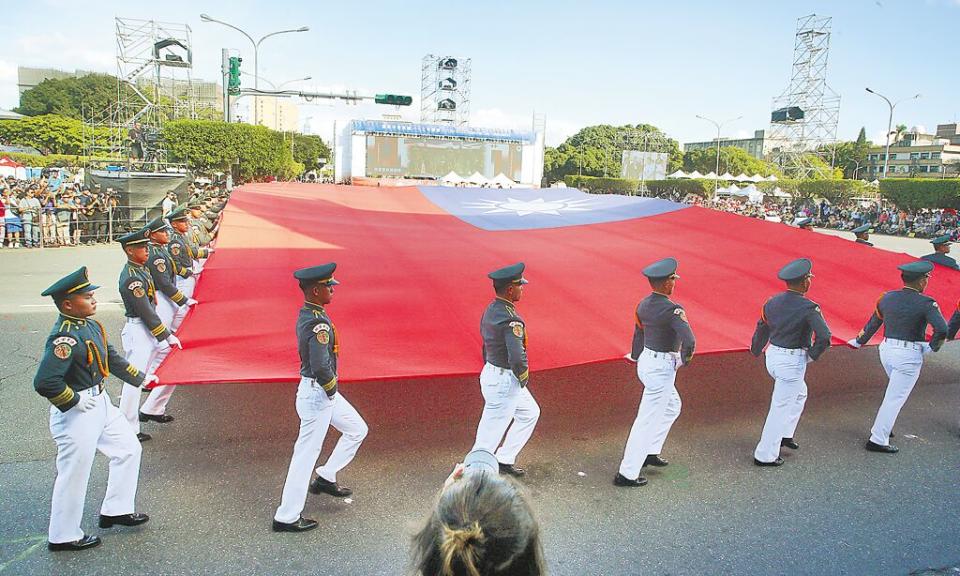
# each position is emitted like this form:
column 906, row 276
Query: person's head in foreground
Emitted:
column 481, row 525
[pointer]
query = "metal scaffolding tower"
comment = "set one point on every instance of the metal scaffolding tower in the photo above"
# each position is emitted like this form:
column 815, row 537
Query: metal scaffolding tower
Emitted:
column 154, row 84
column 445, row 90
column 805, row 115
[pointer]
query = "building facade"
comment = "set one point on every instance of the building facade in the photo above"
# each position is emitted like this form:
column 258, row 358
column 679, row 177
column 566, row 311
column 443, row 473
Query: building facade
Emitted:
column 758, row 146
column 917, row 155
column 280, row 114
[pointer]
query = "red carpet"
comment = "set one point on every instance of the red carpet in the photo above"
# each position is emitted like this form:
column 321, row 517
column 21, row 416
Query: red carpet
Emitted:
column 414, row 278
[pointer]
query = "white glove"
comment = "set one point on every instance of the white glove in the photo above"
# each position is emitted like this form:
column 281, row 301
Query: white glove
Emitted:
column 150, row 379
column 925, row 348
column 809, row 359
column 174, row 341
column 191, row 302
column 211, row 250
column 629, row 358
column 86, row 404
column 853, row 343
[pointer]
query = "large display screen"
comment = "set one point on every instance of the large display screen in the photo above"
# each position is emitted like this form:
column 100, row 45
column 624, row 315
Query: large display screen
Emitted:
column 419, row 157
column 644, row 165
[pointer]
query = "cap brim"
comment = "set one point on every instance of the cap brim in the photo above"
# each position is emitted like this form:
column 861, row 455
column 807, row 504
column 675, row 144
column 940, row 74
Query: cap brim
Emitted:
column 332, row 282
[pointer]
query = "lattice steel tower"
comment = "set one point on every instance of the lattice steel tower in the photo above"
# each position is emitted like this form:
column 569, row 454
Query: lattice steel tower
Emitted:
column 445, row 90
column 154, row 62
column 805, row 115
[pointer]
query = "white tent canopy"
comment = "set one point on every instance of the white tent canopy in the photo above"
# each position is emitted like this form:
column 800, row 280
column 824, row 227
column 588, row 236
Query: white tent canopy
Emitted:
column 755, row 178
column 477, row 178
column 771, row 178
column 726, row 176
column 741, row 177
column 452, row 178
column 778, row 193
column 502, row 180
column 694, row 174
column 678, row 174
column 710, row 176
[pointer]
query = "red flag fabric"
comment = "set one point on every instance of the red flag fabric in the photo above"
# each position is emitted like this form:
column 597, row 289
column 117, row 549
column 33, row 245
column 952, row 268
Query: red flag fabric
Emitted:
column 412, row 263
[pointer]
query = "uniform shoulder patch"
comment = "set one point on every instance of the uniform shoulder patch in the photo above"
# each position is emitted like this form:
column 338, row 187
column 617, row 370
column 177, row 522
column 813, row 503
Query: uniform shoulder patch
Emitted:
column 175, row 249
column 321, row 327
column 681, row 313
column 65, row 340
column 134, row 285
column 63, row 350
column 517, row 328
column 323, row 337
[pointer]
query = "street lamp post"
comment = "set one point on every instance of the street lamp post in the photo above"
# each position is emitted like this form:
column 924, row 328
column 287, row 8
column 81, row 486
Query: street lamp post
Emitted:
column 892, row 105
column 256, row 48
column 716, row 182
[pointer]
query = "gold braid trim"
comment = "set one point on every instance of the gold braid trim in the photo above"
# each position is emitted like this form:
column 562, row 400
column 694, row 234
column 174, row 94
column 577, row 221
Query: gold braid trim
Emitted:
column 330, row 385
column 62, row 398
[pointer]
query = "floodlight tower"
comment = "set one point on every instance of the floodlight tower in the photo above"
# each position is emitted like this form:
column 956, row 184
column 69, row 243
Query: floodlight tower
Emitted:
column 805, row 115
column 445, row 90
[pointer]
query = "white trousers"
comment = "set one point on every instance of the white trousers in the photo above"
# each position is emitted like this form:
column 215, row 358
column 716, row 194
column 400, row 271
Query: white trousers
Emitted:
column 140, row 349
column 902, row 362
column 787, row 368
column 186, row 286
column 78, row 436
column 156, row 402
column 317, row 413
column 505, row 405
column 659, row 409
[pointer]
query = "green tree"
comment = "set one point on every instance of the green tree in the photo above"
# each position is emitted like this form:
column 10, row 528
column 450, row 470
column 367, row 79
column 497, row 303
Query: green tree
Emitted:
column 733, row 160
column 849, row 156
column 309, row 149
column 598, row 150
column 862, row 136
column 50, row 133
column 88, row 96
column 208, row 145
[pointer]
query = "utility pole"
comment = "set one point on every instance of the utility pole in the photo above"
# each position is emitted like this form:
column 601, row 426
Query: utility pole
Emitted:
column 225, row 72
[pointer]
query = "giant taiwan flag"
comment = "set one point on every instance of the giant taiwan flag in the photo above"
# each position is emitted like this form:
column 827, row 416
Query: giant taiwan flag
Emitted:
column 412, row 263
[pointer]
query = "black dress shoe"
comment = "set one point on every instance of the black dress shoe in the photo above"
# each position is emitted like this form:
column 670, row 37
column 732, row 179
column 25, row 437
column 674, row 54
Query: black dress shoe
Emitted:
column 777, row 462
column 888, row 449
column 301, row 525
column 82, row 544
column 655, row 460
column 134, row 519
column 512, row 470
column 789, row 443
column 143, row 437
column 621, row 480
column 892, row 434
column 321, row 485
column 161, row 418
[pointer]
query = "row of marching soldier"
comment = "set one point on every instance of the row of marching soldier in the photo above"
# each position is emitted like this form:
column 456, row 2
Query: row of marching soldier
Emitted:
column 164, row 260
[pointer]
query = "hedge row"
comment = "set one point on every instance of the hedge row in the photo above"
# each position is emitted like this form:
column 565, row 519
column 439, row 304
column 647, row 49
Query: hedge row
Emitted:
column 916, row 193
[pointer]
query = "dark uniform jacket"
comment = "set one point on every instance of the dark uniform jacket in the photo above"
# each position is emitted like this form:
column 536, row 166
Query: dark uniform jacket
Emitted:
column 139, row 295
column 319, row 346
column 954, row 323
column 77, row 357
column 181, row 254
column 904, row 315
column 198, row 232
column 942, row 259
column 789, row 320
column 504, row 337
column 164, row 274
column 661, row 325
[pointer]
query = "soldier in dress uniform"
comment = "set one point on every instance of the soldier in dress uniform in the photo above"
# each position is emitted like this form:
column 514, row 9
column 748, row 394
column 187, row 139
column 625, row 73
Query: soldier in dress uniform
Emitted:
column 319, row 405
column 941, row 247
column 76, row 361
column 863, row 234
column 904, row 315
column 144, row 335
column 787, row 321
column 805, row 223
column 197, row 234
column 662, row 343
column 181, row 253
column 505, row 376
column 170, row 301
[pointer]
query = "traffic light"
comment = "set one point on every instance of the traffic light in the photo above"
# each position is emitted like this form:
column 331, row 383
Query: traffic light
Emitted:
column 393, row 99
column 233, row 87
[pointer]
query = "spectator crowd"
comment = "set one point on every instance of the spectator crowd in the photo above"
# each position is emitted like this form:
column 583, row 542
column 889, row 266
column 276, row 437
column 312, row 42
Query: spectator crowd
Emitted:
column 884, row 219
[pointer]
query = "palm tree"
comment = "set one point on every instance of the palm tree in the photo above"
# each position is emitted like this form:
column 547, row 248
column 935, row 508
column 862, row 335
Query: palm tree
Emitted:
column 898, row 132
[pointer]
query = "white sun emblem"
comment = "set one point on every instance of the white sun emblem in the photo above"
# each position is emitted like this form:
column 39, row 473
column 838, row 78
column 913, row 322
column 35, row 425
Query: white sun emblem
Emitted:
column 525, row 207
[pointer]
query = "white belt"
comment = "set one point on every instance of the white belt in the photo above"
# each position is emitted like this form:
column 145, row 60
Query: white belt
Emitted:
column 904, row 344
column 93, row 391
column 656, row 354
column 134, row 321
column 499, row 369
column 790, row 351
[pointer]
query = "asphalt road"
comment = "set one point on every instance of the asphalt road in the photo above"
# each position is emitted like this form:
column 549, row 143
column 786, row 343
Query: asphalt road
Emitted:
column 212, row 479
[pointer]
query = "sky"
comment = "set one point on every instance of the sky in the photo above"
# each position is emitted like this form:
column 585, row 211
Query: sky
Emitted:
column 576, row 63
